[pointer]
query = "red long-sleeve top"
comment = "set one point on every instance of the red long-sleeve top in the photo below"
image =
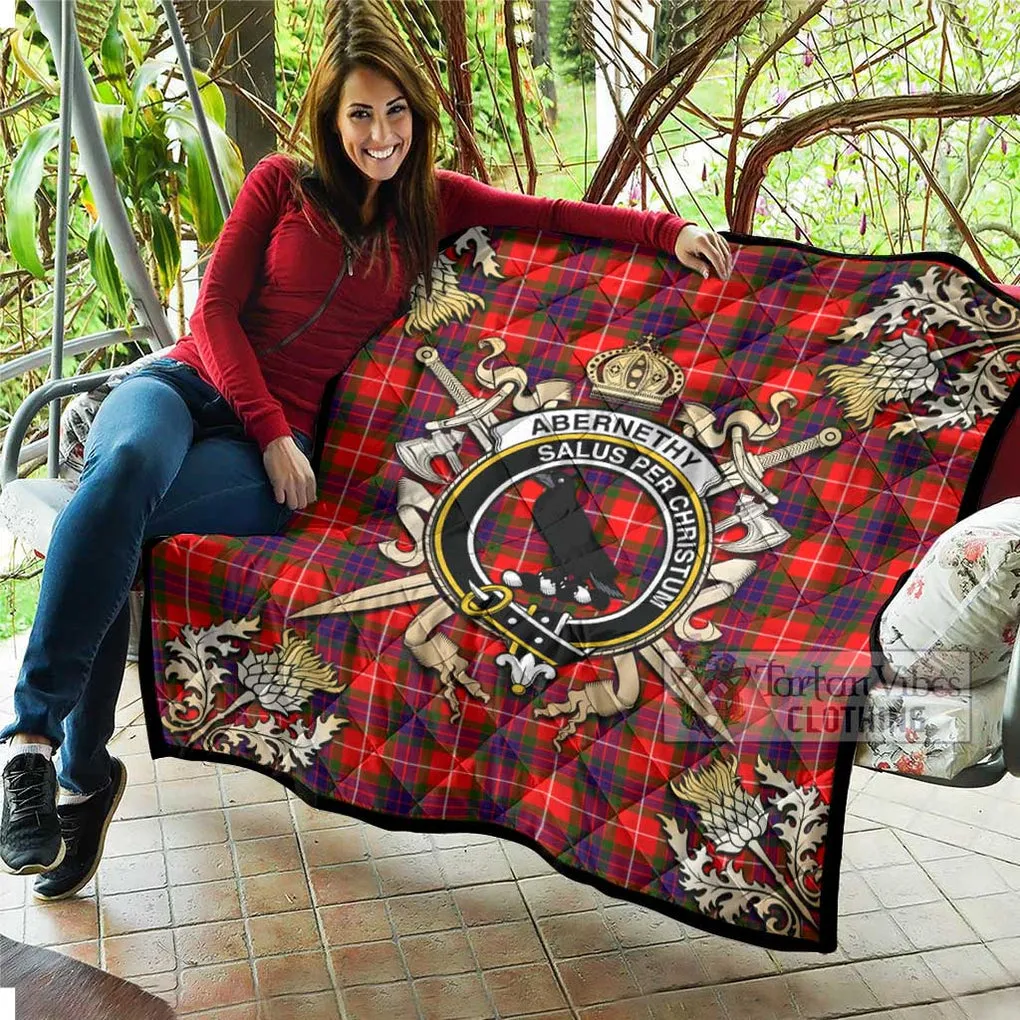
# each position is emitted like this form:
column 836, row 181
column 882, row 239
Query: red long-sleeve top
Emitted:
column 277, row 260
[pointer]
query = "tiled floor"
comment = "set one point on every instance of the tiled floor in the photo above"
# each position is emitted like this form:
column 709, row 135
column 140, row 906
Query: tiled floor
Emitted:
column 234, row 901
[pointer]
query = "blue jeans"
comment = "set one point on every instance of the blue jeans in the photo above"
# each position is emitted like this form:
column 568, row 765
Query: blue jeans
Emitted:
column 165, row 455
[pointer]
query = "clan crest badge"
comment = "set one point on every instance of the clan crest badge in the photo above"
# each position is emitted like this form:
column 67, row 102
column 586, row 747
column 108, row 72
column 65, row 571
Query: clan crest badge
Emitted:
column 575, row 527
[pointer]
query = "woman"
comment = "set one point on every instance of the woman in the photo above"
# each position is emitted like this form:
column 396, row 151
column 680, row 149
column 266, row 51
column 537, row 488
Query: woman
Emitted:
column 215, row 436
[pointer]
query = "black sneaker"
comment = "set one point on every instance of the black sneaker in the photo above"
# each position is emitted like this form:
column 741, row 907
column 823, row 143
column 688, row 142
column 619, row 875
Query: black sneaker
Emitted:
column 84, row 828
column 30, row 840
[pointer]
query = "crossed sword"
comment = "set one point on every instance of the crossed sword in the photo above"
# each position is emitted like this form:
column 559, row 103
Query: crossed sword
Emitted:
column 476, row 414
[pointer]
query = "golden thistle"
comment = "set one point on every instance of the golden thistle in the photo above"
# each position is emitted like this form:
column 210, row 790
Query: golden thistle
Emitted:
column 729, row 815
column 285, row 678
column 447, row 302
column 899, row 369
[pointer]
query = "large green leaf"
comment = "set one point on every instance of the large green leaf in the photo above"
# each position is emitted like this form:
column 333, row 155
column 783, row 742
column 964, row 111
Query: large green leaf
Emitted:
column 146, row 76
column 22, row 184
column 205, row 209
column 228, row 155
column 166, row 248
column 151, row 160
column 187, row 213
column 111, row 122
column 105, row 271
column 206, row 215
column 32, row 61
column 106, row 93
column 212, row 98
column 133, row 44
column 112, row 51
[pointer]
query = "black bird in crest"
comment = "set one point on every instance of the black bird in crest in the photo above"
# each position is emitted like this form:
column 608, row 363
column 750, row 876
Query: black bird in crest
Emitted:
column 582, row 571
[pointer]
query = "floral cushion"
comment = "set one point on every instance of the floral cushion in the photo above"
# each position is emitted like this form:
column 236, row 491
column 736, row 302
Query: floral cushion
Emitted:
column 961, row 598
column 76, row 419
column 932, row 733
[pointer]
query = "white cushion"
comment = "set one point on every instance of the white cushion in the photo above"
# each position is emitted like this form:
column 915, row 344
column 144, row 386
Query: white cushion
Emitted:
column 29, row 507
column 961, row 598
column 930, row 733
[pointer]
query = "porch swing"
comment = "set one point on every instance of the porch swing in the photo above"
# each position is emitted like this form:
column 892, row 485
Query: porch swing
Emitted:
column 29, row 507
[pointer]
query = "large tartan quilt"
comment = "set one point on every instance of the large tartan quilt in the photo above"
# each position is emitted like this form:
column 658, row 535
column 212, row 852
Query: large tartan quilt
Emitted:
column 596, row 553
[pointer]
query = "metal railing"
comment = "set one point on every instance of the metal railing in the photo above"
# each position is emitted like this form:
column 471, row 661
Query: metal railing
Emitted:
column 67, row 32
column 80, row 345
column 54, row 390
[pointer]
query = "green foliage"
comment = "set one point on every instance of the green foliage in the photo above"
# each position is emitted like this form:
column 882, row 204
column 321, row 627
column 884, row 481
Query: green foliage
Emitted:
column 112, row 52
column 23, row 182
column 671, row 31
column 153, row 144
column 300, row 25
column 565, row 160
column 17, row 605
column 32, row 57
column 863, row 190
column 566, row 29
column 491, row 84
column 104, row 268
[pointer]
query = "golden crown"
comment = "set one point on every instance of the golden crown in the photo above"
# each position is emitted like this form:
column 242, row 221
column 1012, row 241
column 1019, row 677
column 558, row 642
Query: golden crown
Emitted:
column 635, row 374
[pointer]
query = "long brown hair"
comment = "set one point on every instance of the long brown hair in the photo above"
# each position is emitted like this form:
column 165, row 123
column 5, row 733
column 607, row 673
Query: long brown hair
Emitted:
column 361, row 33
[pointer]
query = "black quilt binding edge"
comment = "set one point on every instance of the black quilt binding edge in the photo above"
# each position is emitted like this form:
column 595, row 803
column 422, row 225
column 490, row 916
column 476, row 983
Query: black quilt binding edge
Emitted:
column 826, row 943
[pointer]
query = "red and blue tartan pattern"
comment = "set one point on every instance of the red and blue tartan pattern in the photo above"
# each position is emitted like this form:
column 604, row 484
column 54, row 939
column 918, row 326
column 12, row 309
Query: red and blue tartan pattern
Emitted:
column 858, row 515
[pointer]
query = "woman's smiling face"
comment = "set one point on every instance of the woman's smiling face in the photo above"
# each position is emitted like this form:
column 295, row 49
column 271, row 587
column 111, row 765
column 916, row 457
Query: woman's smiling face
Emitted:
column 374, row 122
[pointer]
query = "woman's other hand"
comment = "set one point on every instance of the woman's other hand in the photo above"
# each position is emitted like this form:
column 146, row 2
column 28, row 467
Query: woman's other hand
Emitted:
column 290, row 473
column 699, row 249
